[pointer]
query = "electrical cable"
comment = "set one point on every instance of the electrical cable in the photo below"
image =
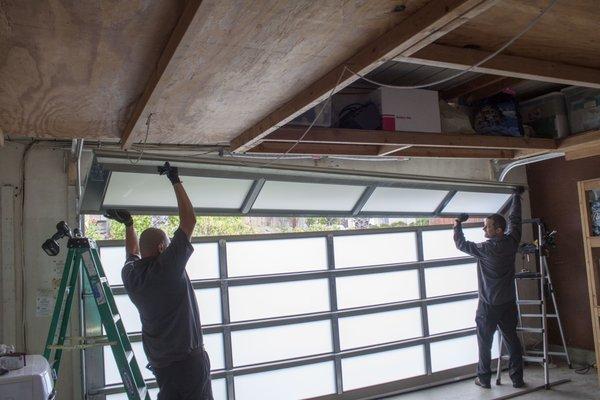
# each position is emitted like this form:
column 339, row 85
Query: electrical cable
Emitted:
column 529, row 26
column 143, row 147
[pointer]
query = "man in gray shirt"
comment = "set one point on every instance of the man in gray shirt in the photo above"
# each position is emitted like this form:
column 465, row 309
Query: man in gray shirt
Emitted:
column 497, row 300
column 155, row 279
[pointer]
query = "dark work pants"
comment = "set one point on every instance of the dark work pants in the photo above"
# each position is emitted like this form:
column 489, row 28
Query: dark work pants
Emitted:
column 187, row 379
column 505, row 317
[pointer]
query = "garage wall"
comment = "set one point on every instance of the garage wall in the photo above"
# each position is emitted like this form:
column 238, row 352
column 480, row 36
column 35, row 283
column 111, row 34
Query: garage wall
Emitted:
column 555, row 200
column 48, row 199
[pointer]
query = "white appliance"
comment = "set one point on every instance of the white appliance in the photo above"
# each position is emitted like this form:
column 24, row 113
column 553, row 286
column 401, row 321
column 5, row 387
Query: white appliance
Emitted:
column 32, row 382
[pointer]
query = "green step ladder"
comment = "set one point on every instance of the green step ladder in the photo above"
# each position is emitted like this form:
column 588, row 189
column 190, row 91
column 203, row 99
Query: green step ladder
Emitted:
column 84, row 252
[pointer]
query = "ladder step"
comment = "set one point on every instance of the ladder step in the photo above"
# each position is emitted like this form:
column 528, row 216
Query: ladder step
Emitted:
column 528, row 275
column 104, row 279
column 129, row 355
column 538, row 315
column 143, row 391
column 528, row 359
column 116, row 318
column 531, row 330
column 551, row 353
column 530, row 302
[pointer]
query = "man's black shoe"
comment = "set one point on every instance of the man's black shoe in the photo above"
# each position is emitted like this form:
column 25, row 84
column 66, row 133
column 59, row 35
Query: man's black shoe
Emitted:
column 481, row 384
column 518, row 384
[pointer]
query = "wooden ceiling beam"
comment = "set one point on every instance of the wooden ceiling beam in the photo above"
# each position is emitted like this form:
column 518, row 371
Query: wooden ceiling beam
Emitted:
column 482, row 86
column 369, row 150
column 181, row 37
column 581, row 145
column 444, row 56
column 423, row 139
column 419, row 29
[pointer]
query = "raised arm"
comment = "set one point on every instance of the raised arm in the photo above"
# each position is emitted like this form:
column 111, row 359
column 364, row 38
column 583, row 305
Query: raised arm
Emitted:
column 187, row 218
column 132, row 245
column 471, row 248
column 514, row 217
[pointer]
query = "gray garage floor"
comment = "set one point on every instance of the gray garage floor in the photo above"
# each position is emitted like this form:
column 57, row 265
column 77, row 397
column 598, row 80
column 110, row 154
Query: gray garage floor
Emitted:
column 580, row 387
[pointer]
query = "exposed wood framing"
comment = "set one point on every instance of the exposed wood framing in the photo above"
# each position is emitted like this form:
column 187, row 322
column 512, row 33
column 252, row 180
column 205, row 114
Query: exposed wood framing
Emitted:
column 371, row 150
column 581, row 145
column 383, row 138
column 480, row 87
column 423, row 27
column 504, row 65
column 167, row 64
column 1, row 138
column 591, row 262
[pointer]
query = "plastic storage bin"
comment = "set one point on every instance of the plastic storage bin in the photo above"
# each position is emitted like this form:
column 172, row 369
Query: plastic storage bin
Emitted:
column 583, row 108
column 547, row 115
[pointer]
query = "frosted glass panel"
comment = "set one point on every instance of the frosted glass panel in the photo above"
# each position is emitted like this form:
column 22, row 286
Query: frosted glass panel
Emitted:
column 219, row 389
column 476, row 202
column 451, row 316
column 276, row 256
column 441, row 281
column 365, row 330
column 457, row 352
column 122, row 396
column 130, row 189
column 204, row 262
column 386, row 248
column 113, row 259
column 387, row 287
column 307, row 196
column 404, row 199
column 111, row 372
column 287, row 384
column 281, row 342
column 278, row 299
column 373, row 369
column 440, row 244
column 129, row 313
column 209, row 305
column 213, row 344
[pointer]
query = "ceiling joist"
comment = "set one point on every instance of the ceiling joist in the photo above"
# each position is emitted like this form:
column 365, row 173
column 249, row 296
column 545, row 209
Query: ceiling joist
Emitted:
column 420, row 29
column 424, row 139
column 373, row 150
column 504, row 65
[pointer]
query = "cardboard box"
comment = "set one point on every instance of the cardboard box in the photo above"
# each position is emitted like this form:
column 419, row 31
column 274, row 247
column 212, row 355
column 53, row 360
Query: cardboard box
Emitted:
column 413, row 110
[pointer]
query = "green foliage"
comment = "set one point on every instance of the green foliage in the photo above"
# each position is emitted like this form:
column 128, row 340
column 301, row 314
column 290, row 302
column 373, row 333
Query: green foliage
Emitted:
column 92, row 231
column 205, row 226
column 421, row 222
column 315, row 224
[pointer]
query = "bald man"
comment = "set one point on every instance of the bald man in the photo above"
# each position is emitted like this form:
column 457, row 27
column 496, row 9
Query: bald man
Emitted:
column 155, row 279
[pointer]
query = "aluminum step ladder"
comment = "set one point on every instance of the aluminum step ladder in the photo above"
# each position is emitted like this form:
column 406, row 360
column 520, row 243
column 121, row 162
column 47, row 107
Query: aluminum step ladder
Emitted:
column 546, row 293
column 84, row 253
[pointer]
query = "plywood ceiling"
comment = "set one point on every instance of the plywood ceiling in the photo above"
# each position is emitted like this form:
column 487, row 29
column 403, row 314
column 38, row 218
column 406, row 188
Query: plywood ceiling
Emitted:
column 76, row 69
column 568, row 33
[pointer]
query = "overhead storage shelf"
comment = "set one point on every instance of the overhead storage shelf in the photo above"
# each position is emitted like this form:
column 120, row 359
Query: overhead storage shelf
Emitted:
column 219, row 187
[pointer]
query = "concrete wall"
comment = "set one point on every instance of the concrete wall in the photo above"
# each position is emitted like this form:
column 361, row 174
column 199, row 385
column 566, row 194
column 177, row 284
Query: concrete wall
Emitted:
column 45, row 200
column 556, row 201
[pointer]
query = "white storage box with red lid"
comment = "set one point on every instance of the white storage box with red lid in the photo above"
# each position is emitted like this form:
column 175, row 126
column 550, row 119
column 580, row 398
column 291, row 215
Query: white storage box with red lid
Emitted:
column 32, row 382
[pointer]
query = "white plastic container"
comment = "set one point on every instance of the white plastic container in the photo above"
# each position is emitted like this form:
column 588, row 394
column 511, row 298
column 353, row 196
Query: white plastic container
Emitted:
column 414, row 110
column 547, row 115
column 583, row 108
column 32, row 382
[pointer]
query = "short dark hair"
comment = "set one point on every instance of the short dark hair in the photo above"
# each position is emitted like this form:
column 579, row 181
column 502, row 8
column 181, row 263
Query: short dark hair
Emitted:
column 499, row 221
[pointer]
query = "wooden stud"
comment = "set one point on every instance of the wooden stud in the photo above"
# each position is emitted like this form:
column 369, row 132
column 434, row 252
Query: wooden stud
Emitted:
column 590, row 262
column 167, row 64
column 416, row 29
column 470, row 86
column 504, row 65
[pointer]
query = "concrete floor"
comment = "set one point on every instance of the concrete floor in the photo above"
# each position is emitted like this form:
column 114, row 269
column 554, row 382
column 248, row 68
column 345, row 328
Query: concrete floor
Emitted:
column 581, row 387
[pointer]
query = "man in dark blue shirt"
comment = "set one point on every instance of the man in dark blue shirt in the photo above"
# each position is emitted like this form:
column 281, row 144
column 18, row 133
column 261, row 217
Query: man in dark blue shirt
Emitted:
column 497, row 300
column 155, row 279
